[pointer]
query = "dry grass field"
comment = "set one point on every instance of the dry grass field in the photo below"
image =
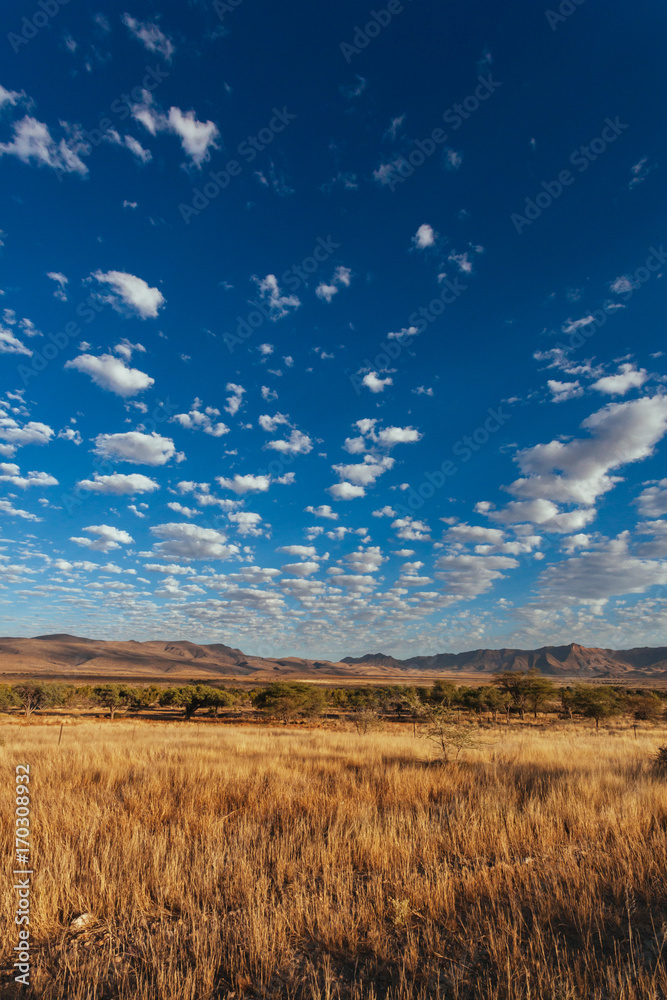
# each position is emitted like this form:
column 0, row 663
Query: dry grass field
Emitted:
column 303, row 863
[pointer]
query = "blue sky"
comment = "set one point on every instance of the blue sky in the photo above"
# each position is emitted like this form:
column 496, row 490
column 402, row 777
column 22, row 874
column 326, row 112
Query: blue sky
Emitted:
column 333, row 329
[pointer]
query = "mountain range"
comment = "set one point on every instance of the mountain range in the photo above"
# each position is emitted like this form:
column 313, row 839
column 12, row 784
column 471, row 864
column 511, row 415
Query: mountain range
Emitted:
column 70, row 657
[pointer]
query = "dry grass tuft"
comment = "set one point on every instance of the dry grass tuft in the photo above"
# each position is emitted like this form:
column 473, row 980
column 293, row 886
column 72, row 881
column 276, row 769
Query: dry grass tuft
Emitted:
column 222, row 862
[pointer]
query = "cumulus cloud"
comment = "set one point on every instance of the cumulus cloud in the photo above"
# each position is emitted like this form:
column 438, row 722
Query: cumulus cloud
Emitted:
column 324, row 510
column 129, row 294
column 346, row 491
column 10, row 473
column 204, row 420
column 562, row 391
column 297, row 443
column 279, row 305
column 373, row 382
column 137, row 448
column 341, row 276
column 118, row 484
column 233, row 402
column 32, row 432
column 606, row 570
column 652, row 501
column 465, row 576
column 197, row 138
column 577, row 471
column 108, row 538
column 424, row 237
column 189, row 541
column 628, row 377
column 111, row 373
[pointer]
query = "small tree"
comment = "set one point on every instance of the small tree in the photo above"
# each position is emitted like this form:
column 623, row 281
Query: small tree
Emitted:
column 286, row 700
column 447, row 735
column 31, row 697
column 595, row 702
column 540, row 691
column 8, row 697
column 113, row 697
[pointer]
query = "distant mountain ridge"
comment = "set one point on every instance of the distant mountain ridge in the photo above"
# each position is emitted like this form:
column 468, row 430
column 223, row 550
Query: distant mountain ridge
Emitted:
column 569, row 660
column 69, row 657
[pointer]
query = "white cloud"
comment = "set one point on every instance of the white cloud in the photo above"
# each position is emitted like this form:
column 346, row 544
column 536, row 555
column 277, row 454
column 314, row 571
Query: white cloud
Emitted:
column 107, row 538
column 390, row 436
column 137, row 448
column 61, row 281
column 234, row 401
column 6, row 507
column 33, row 432
column 135, row 147
column 607, row 570
column 424, row 237
column 298, row 443
column 346, row 491
column 653, row 500
column 561, row 391
column 33, row 143
column 70, row 434
column 279, row 304
column 324, row 510
column 246, row 522
column 253, row 484
column 9, row 344
column 628, row 377
column 408, row 331
column 410, row 530
column 10, row 473
column 204, row 420
column 341, row 276
column 111, row 373
column 178, row 508
column 119, row 484
column 269, row 424
column 376, row 384
column 189, row 541
column 364, row 473
column 197, row 138
column 130, row 294
column 301, row 568
column 150, row 36
column 577, row 471
column 465, row 576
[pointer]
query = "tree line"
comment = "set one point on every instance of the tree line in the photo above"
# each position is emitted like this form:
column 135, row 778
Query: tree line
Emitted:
column 510, row 693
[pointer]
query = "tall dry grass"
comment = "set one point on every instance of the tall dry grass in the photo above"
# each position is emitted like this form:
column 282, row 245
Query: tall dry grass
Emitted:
column 222, row 862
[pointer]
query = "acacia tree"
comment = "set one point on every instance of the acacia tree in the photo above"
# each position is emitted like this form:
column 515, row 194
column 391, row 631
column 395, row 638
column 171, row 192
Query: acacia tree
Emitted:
column 113, row 697
column 193, row 697
column 595, row 702
column 31, row 697
column 288, row 699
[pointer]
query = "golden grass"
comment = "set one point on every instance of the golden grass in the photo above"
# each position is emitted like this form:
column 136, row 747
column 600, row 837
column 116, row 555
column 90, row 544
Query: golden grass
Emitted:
column 224, row 862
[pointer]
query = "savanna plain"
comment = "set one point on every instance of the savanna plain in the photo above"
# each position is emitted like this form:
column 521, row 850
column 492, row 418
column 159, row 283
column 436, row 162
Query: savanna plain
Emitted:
column 188, row 860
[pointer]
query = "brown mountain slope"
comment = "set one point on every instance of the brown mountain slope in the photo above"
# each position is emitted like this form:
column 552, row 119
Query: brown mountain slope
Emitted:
column 68, row 657
column 572, row 660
